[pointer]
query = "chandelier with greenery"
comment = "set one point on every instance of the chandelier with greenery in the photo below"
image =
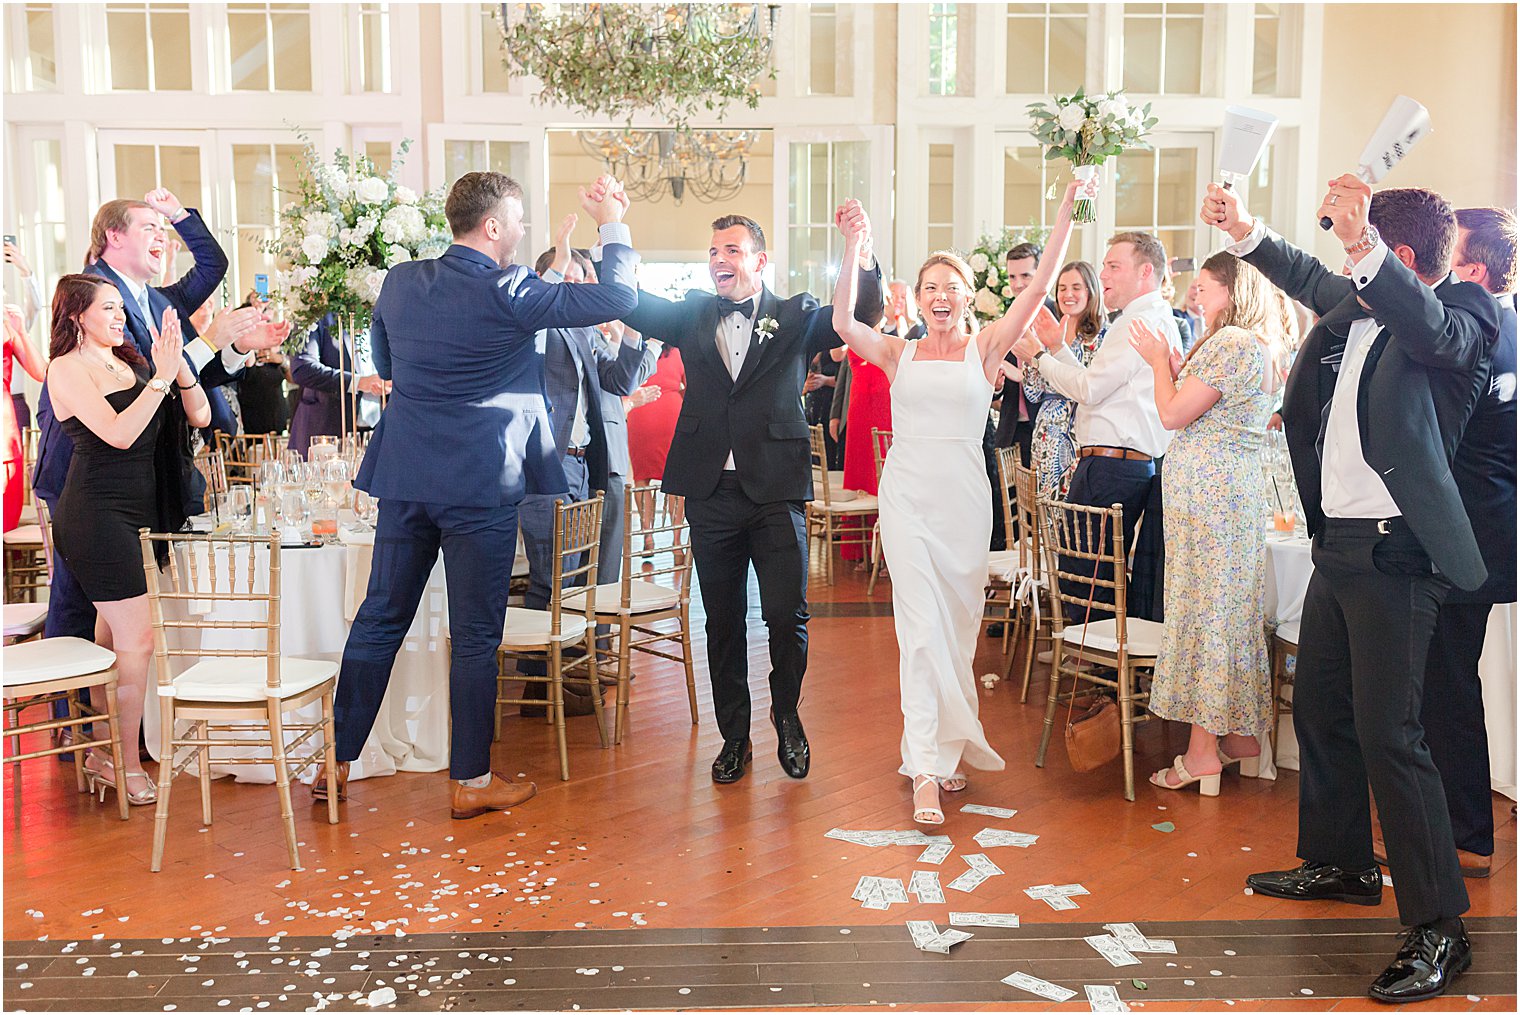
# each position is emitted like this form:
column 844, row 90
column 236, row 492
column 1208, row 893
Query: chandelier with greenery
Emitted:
column 676, row 62
column 654, row 164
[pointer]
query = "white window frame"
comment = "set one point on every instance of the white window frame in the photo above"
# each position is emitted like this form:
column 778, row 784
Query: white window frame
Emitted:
column 879, row 206
column 321, row 42
column 353, row 35
column 535, row 182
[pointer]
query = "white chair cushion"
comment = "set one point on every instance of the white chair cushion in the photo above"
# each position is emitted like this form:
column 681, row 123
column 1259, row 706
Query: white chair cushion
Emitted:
column 1003, row 564
column 24, row 619
column 1144, row 636
column 1287, row 632
column 36, row 662
column 643, row 596
column 526, row 629
column 860, row 504
column 244, row 679
column 23, row 535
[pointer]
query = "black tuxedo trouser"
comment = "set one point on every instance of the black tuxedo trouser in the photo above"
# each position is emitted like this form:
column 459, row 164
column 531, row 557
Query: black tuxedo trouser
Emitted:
column 729, row 532
column 1452, row 715
column 478, row 545
column 1103, row 482
column 1368, row 616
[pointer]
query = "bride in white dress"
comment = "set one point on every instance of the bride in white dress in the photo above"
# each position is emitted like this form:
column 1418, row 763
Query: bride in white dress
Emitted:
column 935, row 502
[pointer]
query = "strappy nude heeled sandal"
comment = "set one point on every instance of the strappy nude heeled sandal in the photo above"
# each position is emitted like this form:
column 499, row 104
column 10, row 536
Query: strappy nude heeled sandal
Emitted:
column 922, row 814
column 1250, row 768
column 1208, row 785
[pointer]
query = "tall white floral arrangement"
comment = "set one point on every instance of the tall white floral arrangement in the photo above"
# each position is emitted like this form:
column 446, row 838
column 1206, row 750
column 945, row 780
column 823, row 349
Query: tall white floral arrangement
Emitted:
column 348, row 226
column 989, row 268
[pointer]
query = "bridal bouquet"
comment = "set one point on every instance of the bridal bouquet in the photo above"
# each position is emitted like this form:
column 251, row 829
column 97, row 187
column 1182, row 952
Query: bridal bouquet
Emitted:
column 348, row 226
column 1085, row 131
column 989, row 262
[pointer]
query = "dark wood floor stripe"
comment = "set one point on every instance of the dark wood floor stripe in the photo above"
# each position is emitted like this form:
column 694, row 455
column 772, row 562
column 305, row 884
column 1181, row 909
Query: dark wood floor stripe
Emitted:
column 750, row 967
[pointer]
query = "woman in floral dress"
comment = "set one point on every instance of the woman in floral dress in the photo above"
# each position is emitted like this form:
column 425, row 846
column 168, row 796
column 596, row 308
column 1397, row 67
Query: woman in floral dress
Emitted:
column 1054, row 452
column 1212, row 668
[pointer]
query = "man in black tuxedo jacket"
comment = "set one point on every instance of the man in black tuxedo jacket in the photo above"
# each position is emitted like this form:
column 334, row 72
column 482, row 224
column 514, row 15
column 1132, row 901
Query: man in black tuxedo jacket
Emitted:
column 1484, row 467
column 740, row 457
column 1373, row 411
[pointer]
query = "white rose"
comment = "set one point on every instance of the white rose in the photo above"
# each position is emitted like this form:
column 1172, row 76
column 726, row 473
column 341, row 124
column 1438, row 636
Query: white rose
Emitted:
column 334, row 180
column 406, row 195
column 314, row 247
column 992, row 273
column 979, row 261
column 1115, row 108
column 345, row 237
column 372, row 190
column 1008, row 291
column 987, row 303
column 403, row 224
column 396, row 255
column 1071, row 117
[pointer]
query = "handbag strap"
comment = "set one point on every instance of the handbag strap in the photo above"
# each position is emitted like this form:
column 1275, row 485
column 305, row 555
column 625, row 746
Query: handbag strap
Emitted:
column 1092, row 591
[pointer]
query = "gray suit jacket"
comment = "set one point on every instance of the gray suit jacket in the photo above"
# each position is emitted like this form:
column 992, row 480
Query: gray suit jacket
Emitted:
column 610, row 374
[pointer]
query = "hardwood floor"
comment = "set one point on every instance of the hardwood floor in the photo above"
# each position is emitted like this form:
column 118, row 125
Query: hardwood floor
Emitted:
column 640, row 861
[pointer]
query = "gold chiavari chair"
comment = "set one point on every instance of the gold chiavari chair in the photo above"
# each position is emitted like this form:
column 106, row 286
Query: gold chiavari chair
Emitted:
column 824, row 512
column 1036, row 624
column 213, row 469
column 660, row 591
column 217, row 601
column 1005, row 568
column 242, row 454
column 1079, row 542
column 549, row 634
column 881, row 443
column 30, row 438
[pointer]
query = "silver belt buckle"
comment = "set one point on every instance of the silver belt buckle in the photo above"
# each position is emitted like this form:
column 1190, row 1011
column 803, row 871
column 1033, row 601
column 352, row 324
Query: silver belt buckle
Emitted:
column 1382, row 527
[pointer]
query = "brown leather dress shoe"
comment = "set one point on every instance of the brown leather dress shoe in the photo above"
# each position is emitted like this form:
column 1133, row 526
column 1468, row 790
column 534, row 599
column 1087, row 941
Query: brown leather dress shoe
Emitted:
column 500, row 795
column 1474, row 865
column 319, row 785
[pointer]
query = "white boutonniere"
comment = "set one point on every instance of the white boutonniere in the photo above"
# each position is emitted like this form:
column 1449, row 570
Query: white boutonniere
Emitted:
column 765, row 328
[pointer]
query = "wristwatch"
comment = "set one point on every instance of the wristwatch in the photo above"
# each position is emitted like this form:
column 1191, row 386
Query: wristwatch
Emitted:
column 159, row 385
column 1369, row 240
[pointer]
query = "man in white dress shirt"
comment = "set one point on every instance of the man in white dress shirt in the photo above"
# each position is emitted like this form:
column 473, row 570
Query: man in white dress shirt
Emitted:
column 1118, row 431
column 1373, row 411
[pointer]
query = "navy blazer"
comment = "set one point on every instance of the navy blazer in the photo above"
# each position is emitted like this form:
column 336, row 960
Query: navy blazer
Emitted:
column 1428, row 362
column 466, row 423
column 320, row 410
column 610, row 375
column 55, row 450
column 1485, row 469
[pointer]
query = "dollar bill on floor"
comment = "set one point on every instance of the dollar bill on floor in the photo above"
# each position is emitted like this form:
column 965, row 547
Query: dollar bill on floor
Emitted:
column 1101, row 997
column 944, row 942
column 1059, row 902
column 1109, row 947
column 925, row 885
column 967, row 881
column 991, row 812
column 892, row 890
column 981, row 864
column 1068, row 890
column 937, row 853
column 922, row 932
column 1133, row 940
column 864, row 889
column 989, row 837
column 1041, row 988
column 984, row 919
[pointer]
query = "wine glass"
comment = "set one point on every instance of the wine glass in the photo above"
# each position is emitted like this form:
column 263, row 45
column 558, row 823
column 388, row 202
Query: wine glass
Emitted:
column 311, row 482
column 335, row 478
column 365, row 509
column 240, row 507
column 293, row 510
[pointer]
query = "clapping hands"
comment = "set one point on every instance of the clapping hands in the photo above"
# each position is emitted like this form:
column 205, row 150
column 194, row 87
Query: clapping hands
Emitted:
column 605, row 200
column 167, row 347
column 1154, row 349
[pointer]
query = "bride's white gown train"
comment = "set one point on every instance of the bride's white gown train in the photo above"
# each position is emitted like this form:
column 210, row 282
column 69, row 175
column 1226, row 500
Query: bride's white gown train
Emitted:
column 936, row 521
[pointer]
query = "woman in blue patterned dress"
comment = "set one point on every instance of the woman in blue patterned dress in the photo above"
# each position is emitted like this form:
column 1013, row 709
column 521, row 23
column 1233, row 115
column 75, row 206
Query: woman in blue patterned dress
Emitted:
column 1054, row 451
column 1212, row 668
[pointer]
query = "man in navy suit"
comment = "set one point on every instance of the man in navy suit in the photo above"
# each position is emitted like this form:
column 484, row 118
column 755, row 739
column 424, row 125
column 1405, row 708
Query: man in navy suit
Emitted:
column 740, row 458
column 326, row 377
column 465, row 436
column 127, row 246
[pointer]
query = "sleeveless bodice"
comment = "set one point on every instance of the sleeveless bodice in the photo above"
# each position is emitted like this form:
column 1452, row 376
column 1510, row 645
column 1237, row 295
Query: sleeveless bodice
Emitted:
column 940, row 399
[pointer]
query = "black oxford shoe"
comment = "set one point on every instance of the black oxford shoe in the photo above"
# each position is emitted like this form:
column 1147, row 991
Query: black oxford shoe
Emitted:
column 1313, row 882
column 1424, row 967
column 792, row 745
column 731, row 762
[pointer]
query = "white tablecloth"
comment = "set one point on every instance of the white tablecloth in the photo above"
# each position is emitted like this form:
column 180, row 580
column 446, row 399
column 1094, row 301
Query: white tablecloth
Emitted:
column 411, row 733
column 1288, row 569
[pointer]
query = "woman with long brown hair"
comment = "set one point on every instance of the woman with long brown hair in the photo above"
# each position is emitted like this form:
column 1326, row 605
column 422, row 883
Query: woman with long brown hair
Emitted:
column 1054, row 452
column 110, row 402
column 1212, row 667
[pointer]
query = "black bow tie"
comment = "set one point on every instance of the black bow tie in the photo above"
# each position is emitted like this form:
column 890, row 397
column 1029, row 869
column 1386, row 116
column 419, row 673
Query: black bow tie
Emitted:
column 725, row 307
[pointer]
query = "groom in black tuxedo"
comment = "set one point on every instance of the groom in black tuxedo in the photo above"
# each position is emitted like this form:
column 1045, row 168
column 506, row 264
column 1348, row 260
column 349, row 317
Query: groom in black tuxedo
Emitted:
column 1373, row 411
column 740, row 457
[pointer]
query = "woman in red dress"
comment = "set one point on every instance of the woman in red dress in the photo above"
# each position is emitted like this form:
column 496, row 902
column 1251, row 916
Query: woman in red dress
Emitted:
column 870, row 407
column 652, row 413
column 17, row 347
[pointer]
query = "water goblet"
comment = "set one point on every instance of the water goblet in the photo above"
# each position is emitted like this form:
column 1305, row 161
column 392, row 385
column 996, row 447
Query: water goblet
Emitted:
column 240, row 507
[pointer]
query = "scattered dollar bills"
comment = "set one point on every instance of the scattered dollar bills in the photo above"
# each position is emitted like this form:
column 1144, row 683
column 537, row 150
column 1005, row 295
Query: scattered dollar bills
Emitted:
column 991, row 812
column 1109, row 947
column 1101, row 997
column 925, row 885
column 989, row 837
column 984, row 919
column 1130, row 937
column 1042, row 988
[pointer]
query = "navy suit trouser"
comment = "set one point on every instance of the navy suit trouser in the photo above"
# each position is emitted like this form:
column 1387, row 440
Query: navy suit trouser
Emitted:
column 70, row 613
column 478, row 545
column 1102, row 482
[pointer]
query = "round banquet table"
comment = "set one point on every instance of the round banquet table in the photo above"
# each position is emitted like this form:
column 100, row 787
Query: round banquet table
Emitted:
column 1288, row 569
column 321, row 588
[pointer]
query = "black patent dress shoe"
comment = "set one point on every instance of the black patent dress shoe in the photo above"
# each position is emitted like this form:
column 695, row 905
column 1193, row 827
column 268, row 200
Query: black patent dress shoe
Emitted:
column 1313, row 882
column 792, row 745
column 731, row 762
column 1424, row 966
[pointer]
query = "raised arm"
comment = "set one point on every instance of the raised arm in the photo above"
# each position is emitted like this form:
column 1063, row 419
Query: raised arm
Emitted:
column 866, row 342
column 200, row 282
column 1295, row 272
column 997, row 339
column 21, row 346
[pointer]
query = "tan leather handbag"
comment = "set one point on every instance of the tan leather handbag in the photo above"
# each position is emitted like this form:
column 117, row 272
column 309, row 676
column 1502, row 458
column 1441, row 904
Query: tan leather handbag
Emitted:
column 1092, row 720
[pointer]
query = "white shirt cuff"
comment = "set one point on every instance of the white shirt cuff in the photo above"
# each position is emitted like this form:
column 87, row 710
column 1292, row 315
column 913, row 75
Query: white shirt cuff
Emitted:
column 1253, row 238
column 550, row 275
column 200, row 353
column 616, row 232
column 1365, row 270
column 234, row 360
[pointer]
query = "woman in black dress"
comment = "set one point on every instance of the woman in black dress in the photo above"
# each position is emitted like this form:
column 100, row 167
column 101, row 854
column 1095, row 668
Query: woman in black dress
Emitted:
column 105, row 401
